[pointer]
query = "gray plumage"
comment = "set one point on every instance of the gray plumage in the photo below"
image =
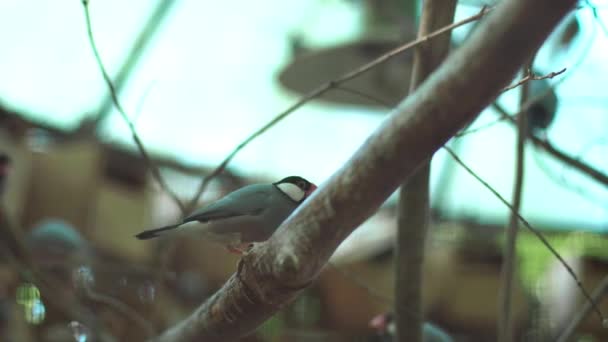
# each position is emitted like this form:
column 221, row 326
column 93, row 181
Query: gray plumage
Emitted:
column 249, row 214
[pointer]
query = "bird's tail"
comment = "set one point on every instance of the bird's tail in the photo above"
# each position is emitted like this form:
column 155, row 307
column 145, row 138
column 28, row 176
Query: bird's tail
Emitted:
column 152, row 233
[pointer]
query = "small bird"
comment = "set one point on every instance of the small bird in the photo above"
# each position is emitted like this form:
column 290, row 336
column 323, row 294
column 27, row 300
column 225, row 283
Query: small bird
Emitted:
column 249, row 214
column 543, row 111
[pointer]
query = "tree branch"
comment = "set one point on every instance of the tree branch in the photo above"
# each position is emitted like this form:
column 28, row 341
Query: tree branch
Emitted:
column 534, row 231
column 114, row 95
column 275, row 272
column 505, row 322
column 583, row 167
column 414, row 207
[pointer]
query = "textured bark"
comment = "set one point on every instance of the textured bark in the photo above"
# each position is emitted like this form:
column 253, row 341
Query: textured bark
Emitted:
column 275, row 272
column 414, row 206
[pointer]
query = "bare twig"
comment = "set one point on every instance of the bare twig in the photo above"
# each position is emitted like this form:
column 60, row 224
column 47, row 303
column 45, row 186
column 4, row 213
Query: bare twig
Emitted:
column 598, row 294
column 276, row 271
column 505, row 321
column 536, row 232
column 158, row 15
column 123, row 114
column 531, row 77
column 322, row 90
column 414, row 198
column 479, row 128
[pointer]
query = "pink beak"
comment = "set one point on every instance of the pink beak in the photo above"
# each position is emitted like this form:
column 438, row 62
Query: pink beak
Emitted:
column 312, row 188
column 378, row 322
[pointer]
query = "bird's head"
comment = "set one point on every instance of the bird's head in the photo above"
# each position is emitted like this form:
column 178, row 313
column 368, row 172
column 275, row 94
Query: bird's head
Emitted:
column 296, row 188
column 383, row 323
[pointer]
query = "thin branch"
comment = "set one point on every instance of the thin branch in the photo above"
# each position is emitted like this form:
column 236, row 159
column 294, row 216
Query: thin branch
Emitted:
column 505, row 321
column 323, row 89
column 138, row 143
column 531, row 77
column 536, row 232
column 277, row 270
column 155, row 21
column 552, row 150
column 479, row 128
column 414, row 199
column 598, row 294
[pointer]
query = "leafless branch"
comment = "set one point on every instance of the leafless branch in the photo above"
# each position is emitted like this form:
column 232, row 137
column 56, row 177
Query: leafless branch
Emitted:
column 276, row 271
column 123, row 114
column 478, row 129
column 325, row 88
column 414, row 198
column 531, row 77
column 505, row 295
column 552, row 150
column 536, row 232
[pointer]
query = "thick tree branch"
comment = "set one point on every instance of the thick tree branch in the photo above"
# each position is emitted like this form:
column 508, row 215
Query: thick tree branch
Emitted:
column 414, row 198
column 275, row 272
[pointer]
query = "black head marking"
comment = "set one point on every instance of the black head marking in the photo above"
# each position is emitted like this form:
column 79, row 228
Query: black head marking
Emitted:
column 297, row 181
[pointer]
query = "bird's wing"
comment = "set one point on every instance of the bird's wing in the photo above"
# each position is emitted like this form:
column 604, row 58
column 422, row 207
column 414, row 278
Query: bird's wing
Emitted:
column 248, row 201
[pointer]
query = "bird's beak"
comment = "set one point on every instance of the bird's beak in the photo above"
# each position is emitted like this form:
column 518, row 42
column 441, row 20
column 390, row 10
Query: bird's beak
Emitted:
column 378, row 323
column 311, row 190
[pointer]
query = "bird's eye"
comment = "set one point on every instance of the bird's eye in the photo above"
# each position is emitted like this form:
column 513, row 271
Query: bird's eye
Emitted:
column 301, row 185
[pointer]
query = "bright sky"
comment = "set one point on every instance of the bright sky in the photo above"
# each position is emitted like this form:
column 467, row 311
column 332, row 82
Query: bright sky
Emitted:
column 209, row 80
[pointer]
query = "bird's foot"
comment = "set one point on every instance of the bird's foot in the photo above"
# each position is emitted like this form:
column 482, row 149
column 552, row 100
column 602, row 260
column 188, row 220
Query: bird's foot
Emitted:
column 235, row 250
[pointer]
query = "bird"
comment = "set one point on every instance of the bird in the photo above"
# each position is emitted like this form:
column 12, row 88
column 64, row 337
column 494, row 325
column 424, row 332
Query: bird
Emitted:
column 542, row 112
column 384, row 324
column 244, row 216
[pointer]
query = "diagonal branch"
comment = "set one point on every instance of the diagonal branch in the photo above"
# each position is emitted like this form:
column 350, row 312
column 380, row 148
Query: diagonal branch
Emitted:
column 581, row 166
column 534, row 231
column 325, row 88
column 123, row 114
column 275, row 272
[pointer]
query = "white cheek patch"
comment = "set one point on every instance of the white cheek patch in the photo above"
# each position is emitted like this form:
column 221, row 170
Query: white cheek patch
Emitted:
column 291, row 190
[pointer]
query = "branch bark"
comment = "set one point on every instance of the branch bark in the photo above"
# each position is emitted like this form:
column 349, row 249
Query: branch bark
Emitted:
column 413, row 216
column 275, row 272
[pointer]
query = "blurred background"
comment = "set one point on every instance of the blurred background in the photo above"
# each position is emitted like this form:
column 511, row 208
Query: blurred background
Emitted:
column 197, row 78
